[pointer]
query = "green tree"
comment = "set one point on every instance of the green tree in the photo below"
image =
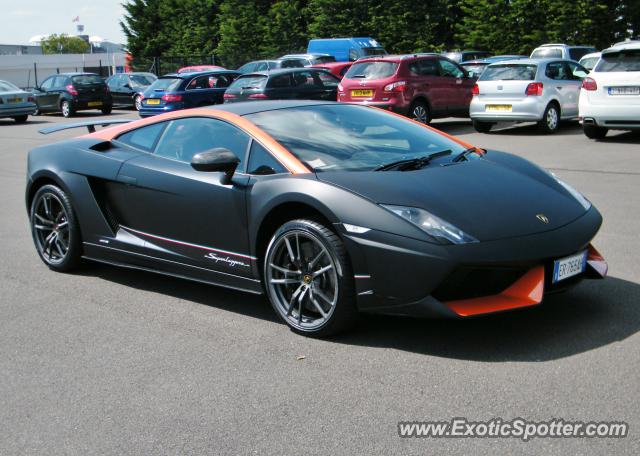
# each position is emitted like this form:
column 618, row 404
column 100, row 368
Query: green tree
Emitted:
column 242, row 25
column 64, row 44
column 286, row 28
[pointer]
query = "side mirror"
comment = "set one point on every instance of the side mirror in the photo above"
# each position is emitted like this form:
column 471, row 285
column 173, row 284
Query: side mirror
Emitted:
column 127, row 86
column 218, row 159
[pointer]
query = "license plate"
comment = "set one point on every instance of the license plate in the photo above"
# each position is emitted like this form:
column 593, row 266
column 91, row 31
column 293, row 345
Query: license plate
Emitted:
column 14, row 100
column 624, row 90
column 94, row 103
column 362, row 93
column 498, row 108
column 153, row 101
column 569, row 266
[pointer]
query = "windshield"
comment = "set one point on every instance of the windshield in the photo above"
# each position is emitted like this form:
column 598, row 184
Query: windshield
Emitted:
column 8, row 87
column 371, row 70
column 249, row 82
column 547, row 53
column 141, row 80
column 374, row 51
column 87, row 79
column 509, row 72
column 348, row 137
column 325, row 59
column 627, row 60
column 166, row 84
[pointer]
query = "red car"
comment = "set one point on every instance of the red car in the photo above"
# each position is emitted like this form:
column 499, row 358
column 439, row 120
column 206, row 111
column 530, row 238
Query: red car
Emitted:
column 338, row 69
column 419, row 86
column 197, row 68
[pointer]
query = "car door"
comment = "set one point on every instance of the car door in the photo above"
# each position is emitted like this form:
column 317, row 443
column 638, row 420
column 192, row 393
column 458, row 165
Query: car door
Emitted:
column 329, row 84
column 458, row 87
column 203, row 90
column 562, row 85
column 184, row 215
column 425, row 81
column 307, row 86
column 279, row 87
column 575, row 74
column 47, row 100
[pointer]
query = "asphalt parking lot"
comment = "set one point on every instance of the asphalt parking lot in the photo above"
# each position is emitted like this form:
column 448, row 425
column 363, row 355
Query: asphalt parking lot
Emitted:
column 114, row 361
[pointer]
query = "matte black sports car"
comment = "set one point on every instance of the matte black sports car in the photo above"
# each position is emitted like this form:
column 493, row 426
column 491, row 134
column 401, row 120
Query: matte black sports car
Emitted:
column 328, row 208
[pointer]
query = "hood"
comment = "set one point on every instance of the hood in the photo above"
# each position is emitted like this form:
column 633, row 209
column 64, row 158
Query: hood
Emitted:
column 491, row 198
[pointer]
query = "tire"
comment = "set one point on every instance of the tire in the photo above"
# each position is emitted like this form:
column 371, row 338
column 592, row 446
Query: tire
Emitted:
column 420, row 112
column 550, row 121
column 55, row 229
column 37, row 112
column 137, row 102
column 307, row 260
column 594, row 132
column 482, row 127
column 21, row 119
column 67, row 109
column 106, row 110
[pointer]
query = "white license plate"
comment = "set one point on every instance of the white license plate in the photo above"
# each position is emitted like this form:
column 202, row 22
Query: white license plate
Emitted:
column 624, row 90
column 569, row 266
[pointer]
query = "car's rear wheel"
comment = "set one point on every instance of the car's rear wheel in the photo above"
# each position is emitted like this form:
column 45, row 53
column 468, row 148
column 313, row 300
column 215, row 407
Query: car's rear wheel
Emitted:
column 550, row 121
column 594, row 132
column 106, row 110
column 308, row 279
column 482, row 127
column 137, row 102
column 20, row 119
column 420, row 112
column 55, row 229
column 67, row 109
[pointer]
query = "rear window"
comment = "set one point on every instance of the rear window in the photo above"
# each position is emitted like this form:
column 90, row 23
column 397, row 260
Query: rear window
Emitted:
column 577, row 53
column 166, row 84
column 509, row 72
column 627, row 60
column 475, row 55
column 547, row 53
column 87, row 79
column 141, row 79
column 475, row 69
column 589, row 63
column 250, row 82
column 372, row 70
column 325, row 59
column 7, row 87
column 373, row 51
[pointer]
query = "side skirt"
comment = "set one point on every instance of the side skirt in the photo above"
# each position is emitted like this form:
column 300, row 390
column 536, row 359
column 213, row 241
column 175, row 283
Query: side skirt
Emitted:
column 133, row 260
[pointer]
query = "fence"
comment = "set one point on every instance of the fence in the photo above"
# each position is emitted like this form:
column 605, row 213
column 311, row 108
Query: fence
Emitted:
column 169, row 64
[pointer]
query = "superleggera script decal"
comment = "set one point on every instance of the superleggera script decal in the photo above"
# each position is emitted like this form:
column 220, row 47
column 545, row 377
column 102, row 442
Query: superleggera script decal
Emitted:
column 225, row 259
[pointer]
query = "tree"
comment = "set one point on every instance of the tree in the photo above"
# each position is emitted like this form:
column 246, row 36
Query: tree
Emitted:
column 64, row 44
column 242, row 25
column 286, row 28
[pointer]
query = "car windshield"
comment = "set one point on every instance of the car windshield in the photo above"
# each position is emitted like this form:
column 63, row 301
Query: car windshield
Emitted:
column 141, row 80
column 547, row 53
column 249, row 82
column 325, row 59
column 348, row 137
column 8, row 87
column 87, row 79
column 509, row 72
column 374, row 51
column 626, row 60
column 166, row 84
column 371, row 70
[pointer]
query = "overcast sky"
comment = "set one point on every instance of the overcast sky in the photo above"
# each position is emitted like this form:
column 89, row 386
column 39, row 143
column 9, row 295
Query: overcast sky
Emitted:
column 22, row 19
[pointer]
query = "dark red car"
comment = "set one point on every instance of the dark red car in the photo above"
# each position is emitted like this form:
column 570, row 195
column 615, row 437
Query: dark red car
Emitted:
column 420, row 86
column 338, row 69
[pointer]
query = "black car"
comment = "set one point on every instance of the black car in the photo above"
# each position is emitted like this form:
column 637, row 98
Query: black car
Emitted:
column 71, row 92
column 288, row 84
column 328, row 208
column 260, row 65
column 127, row 88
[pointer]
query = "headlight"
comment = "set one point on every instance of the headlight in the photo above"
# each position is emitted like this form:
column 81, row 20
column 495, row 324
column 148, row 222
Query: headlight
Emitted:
column 435, row 227
column 575, row 193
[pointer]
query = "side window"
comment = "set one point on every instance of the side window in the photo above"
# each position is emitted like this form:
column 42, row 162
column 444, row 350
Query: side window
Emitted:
column 60, row 82
column 262, row 66
column 247, row 67
column 280, row 82
column 450, row 69
column 218, row 81
column 47, row 84
column 293, row 63
column 184, row 138
column 143, row 138
column 261, row 162
column 328, row 80
column 306, row 79
column 201, row 82
column 353, row 55
column 556, row 71
column 576, row 71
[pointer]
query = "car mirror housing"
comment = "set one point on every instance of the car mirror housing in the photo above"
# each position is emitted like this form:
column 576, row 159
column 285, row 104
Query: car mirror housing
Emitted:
column 218, row 159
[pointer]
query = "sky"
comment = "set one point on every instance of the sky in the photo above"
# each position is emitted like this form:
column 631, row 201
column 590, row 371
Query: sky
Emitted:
column 23, row 19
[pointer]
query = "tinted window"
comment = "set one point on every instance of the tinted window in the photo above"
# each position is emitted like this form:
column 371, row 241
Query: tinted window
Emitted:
column 293, row 63
column 372, row 70
column 556, row 71
column 47, row 84
column 576, row 72
column 450, row 69
column 186, row 137
column 353, row 55
column 628, row 60
column 306, row 79
column 348, row 137
column 475, row 69
column 166, row 84
column 280, row 81
column 328, row 80
column 143, row 138
column 373, row 51
column 578, row 53
column 60, row 82
column 247, row 67
column 262, row 66
column 249, row 82
column 547, row 53
column 87, row 79
column 424, row 67
column 201, row 82
column 261, row 162
column 509, row 72
column 475, row 55
column 325, row 59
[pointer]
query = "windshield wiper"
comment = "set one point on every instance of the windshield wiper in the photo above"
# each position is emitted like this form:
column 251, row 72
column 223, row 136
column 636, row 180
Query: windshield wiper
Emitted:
column 358, row 76
column 463, row 155
column 412, row 163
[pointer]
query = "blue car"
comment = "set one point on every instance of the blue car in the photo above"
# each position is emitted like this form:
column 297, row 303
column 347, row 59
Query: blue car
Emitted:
column 173, row 92
column 346, row 49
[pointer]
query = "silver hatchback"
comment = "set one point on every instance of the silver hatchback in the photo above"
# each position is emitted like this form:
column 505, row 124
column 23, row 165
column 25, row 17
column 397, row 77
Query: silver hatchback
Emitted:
column 545, row 91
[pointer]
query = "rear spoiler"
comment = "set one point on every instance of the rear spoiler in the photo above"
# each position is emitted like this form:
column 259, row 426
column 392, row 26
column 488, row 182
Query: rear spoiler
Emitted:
column 90, row 124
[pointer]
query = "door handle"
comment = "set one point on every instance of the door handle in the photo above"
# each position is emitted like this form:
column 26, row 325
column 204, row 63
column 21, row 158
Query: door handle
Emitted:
column 127, row 179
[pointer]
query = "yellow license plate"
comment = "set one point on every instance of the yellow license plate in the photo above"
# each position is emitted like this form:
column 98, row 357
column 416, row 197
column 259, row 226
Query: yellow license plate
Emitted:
column 498, row 108
column 153, row 101
column 362, row 93
column 94, row 103
column 14, row 100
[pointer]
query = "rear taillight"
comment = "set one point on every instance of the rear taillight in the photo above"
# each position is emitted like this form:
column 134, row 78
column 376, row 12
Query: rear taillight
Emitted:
column 476, row 90
column 535, row 88
column 72, row 90
column 171, row 97
column 589, row 84
column 228, row 96
column 258, row 96
column 340, row 88
column 399, row 86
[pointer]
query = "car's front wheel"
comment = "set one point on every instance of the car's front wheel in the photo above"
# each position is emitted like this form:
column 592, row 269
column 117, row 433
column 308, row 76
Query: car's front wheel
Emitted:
column 55, row 229
column 106, row 110
column 594, row 132
column 21, row 119
column 308, row 279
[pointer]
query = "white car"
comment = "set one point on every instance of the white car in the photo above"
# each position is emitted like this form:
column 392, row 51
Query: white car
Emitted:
column 589, row 61
column 610, row 95
column 561, row 51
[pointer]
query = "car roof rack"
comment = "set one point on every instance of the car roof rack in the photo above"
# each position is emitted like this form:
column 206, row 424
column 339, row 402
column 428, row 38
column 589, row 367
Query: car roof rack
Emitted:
column 89, row 124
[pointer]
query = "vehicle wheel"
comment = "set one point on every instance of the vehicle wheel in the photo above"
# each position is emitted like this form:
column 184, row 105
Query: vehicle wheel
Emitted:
column 55, row 229
column 67, row 110
column 308, row 279
column 551, row 119
column 594, row 132
column 482, row 127
column 20, row 119
column 37, row 112
column 137, row 102
column 420, row 112
column 106, row 110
